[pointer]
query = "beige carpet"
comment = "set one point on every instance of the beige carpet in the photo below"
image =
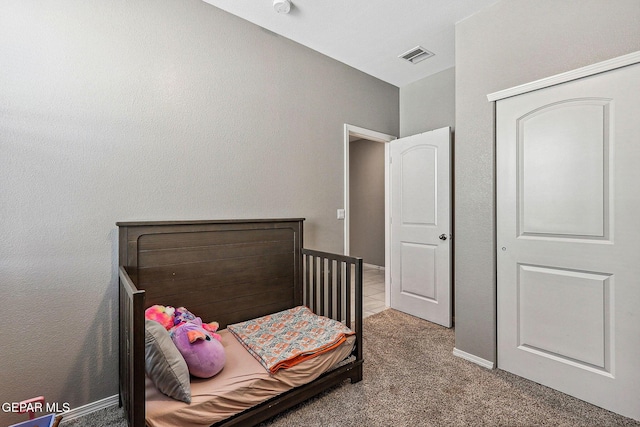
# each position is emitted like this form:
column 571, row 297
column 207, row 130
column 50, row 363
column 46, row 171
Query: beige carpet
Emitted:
column 411, row 378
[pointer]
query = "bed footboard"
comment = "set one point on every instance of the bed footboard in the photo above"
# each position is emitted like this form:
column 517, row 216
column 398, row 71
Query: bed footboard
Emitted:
column 131, row 358
column 333, row 288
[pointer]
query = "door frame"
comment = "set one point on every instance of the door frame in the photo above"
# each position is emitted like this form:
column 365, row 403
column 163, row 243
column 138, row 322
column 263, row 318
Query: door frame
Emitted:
column 578, row 73
column 370, row 135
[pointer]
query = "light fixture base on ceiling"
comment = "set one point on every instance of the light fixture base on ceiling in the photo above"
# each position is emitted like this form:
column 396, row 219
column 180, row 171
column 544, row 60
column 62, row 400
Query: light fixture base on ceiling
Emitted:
column 282, row 6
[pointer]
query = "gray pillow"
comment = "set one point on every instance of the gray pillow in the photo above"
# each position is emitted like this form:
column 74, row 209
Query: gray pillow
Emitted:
column 164, row 364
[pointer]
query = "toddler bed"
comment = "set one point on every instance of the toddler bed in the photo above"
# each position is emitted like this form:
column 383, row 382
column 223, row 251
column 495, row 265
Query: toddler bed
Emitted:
column 230, row 271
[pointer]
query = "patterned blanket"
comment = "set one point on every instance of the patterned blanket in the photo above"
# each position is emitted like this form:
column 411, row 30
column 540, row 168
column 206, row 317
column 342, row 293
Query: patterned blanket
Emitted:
column 284, row 339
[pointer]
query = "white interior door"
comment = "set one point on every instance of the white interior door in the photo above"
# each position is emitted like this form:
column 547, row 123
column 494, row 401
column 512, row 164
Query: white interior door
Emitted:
column 568, row 179
column 421, row 226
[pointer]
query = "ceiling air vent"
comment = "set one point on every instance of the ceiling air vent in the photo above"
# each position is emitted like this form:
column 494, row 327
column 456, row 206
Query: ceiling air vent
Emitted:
column 416, row 55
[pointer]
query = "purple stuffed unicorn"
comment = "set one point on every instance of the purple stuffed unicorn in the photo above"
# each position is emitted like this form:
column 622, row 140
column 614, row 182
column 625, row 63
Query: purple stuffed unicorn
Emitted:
column 200, row 348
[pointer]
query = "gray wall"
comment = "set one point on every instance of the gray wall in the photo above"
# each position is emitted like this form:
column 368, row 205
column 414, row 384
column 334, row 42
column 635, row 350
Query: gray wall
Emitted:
column 366, row 201
column 122, row 110
column 507, row 44
column 428, row 104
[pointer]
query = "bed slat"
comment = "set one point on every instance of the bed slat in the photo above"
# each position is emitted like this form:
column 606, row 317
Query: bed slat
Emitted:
column 322, row 270
column 347, row 283
column 339, row 290
column 307, row 276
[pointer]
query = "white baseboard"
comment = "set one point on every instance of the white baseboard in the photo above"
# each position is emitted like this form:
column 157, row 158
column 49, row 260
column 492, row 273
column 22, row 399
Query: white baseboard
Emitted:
column 379, row 267
column 472, row 358
column 89, row 408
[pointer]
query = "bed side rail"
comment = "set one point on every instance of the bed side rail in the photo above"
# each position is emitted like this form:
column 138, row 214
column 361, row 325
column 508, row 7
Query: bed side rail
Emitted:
column 131, row 353
column 333, row 288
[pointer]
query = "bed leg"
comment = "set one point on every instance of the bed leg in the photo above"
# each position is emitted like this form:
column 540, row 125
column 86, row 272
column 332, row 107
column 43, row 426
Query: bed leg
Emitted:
column 356, row 374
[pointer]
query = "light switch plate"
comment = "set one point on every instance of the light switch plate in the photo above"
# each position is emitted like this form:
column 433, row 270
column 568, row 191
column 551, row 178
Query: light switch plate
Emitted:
column 340, row 213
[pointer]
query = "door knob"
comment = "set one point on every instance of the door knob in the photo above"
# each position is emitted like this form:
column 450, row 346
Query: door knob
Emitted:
column 442, row 237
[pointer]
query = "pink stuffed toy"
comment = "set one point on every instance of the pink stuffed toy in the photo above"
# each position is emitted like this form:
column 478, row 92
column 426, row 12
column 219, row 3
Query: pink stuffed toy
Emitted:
column 204, row 354
column 161, row 314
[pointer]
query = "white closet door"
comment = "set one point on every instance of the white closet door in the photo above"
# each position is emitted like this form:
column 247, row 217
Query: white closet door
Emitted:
column 568, row 242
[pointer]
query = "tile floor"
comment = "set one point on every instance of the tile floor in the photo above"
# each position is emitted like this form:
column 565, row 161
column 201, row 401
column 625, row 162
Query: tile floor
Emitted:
column 373, row 290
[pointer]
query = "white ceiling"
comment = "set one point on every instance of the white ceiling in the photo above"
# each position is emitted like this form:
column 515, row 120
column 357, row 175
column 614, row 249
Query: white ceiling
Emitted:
column 367, row 34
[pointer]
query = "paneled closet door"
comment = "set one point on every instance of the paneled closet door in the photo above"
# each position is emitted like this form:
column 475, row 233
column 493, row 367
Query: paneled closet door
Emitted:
column 568, row 239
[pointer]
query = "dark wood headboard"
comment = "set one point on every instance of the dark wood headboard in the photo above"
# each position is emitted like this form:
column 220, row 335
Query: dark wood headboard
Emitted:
column 219, row 269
